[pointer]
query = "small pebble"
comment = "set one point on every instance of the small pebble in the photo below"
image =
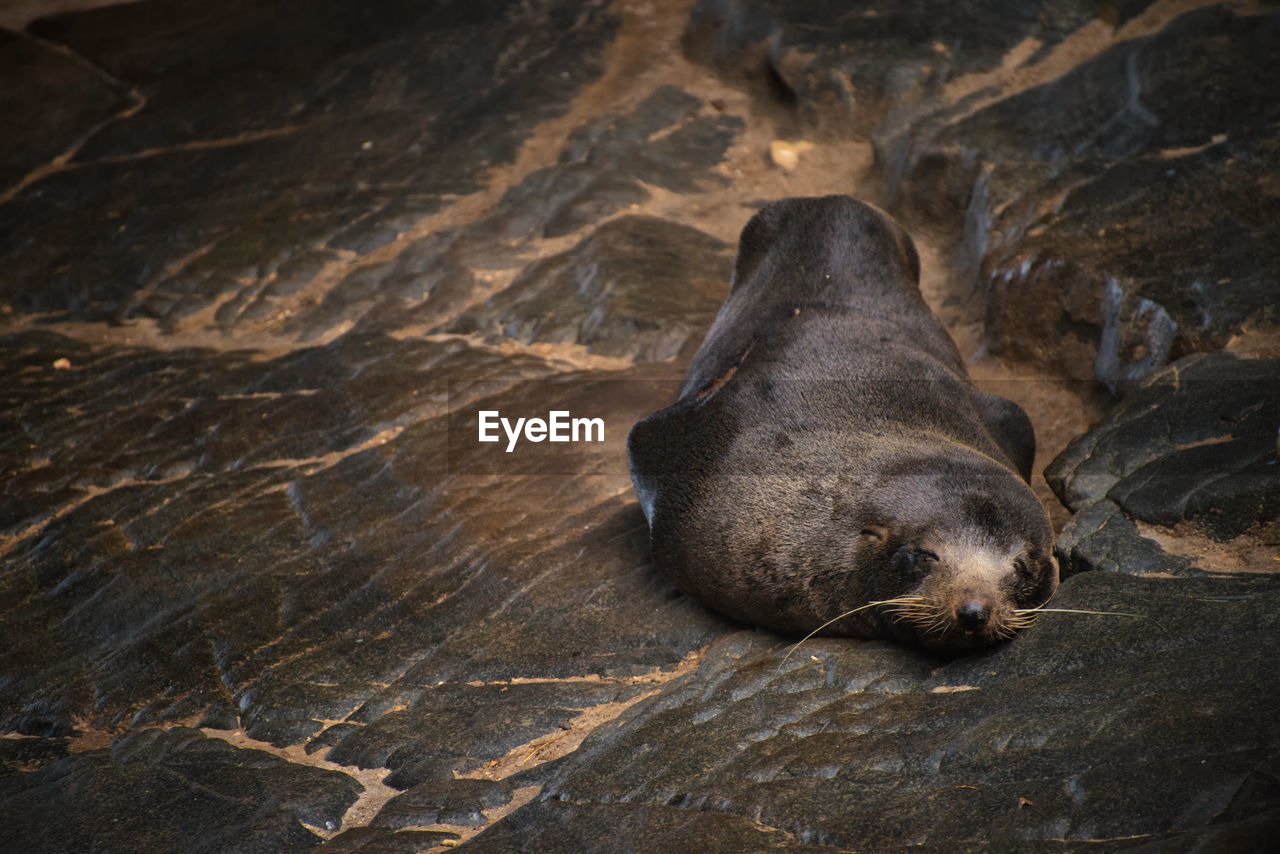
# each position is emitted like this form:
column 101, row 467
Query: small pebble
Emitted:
column 786, row 154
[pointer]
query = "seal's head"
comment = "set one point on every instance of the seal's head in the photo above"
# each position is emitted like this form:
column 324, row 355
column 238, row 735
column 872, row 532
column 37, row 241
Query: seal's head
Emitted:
column 959, row 561
column 954, row 595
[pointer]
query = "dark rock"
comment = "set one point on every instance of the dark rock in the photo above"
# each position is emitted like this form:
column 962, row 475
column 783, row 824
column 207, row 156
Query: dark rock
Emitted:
column 1117, row 213
column 1100, row 536
column 373, row 840
column 57, row 104
column 330, row 736
column 670, row 140
column 457, row 728
column 605, row 828
column 363, row 239
column 1141, row 96
column 638, row 287
column 181, row 574
column 1197, row 443
column 1117, row 12
column 44, row 718
column 424, row 282
column 535, row 775
column 869, row 746
column 305, row 123
column 172, row 791
column 24, row 755
column 458, row 802
column 254, row 569
column 1256, row 833
column 1105, row 277
column 220, row 715
column 840, row 64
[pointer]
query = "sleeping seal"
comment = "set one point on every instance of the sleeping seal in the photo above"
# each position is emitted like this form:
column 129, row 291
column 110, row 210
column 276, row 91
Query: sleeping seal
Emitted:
column 828, row 450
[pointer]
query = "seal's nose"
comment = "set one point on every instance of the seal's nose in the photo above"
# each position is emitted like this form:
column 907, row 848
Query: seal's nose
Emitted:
column 973, row 614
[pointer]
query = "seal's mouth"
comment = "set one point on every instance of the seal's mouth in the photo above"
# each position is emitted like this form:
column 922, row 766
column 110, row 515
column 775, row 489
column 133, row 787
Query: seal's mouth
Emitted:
column 971, row 624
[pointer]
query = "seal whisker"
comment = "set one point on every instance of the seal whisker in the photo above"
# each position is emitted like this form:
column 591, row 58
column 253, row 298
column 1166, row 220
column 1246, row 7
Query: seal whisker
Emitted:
column 918, row 619
column 911, row 612
column 914, row 610
column 1022, row 619
column 898, row 601
column 935, row 624
column 824, row 625
column 1044, row 610
column 937, row 627
column 927, row 615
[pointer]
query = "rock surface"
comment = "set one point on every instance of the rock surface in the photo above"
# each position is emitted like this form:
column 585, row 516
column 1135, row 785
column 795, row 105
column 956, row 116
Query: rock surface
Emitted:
column 1117, row 212
column 262, row 587
column 841, row 65
column 174, row 790
column 639, row 288
column 1091, row 743
column 1195, row 446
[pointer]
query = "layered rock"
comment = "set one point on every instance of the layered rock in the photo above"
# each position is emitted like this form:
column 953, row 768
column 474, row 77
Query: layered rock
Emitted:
column 260, row 270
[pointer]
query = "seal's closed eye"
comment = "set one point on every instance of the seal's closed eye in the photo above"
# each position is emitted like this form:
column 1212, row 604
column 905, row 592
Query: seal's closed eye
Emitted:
column 912, row 562
column 876, row 533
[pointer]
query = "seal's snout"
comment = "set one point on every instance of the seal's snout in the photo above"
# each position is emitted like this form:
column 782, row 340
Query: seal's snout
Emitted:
column 973, row 614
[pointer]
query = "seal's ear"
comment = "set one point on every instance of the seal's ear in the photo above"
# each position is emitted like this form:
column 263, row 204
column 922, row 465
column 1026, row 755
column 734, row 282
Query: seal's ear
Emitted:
column 1011, row 429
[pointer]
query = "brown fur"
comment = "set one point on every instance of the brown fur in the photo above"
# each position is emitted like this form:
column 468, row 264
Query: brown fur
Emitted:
column 828, row 450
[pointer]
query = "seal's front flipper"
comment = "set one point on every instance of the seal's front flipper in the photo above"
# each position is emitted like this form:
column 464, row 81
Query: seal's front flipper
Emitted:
column 655, row 447
column 1011, row 428
column 673, row 450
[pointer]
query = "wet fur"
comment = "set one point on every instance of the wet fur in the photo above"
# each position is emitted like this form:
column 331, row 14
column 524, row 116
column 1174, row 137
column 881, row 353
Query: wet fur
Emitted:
column 827, row 428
